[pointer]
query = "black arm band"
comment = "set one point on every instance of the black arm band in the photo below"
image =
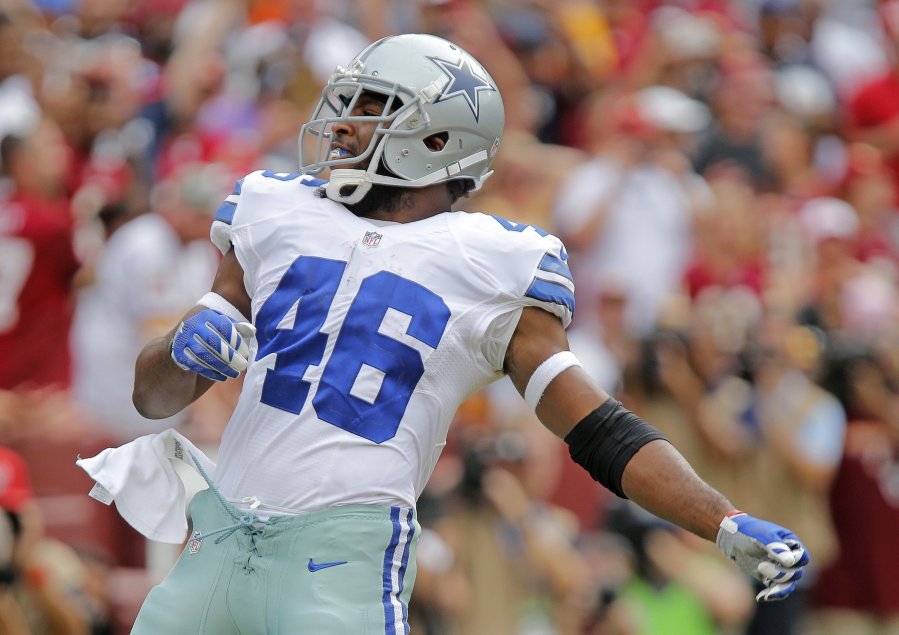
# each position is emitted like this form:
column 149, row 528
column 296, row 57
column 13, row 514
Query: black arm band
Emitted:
column 606, row 439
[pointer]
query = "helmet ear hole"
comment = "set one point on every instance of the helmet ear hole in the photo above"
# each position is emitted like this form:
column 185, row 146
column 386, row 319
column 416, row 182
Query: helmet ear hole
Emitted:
column 437, row 141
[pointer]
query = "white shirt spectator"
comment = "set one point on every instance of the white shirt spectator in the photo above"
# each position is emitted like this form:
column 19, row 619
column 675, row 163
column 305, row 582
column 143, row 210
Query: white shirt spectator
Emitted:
column 645, row 241
column 146, row 278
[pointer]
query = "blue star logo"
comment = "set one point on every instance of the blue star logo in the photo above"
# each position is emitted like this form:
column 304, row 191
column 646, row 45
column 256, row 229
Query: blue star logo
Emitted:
column 463, row 81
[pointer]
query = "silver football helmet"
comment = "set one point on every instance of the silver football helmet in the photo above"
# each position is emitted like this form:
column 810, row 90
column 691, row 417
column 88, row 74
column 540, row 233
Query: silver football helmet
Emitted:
column 431, row 87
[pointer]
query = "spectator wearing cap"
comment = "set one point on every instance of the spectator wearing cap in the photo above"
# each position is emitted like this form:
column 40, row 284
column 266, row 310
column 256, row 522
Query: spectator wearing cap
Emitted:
column 629, row 210
column 873, row 109
column 854, row 293
column 830, row 225
column 38, row 576
column 870, row 189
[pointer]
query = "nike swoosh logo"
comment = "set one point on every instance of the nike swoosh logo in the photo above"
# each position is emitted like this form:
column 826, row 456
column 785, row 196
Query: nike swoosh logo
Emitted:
column 313, row 567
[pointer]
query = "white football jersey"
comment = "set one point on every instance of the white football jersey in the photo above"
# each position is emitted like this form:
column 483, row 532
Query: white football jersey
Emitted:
column 369, row 336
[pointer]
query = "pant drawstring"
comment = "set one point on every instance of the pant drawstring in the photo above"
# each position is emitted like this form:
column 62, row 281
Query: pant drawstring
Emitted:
column 247, row 521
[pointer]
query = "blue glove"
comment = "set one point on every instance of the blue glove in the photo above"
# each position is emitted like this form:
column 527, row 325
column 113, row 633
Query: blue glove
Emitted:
column 212, row 345
column 765, row 551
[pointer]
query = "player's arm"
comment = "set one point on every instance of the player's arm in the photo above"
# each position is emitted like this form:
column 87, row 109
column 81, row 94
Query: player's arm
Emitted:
column 207, row 345
column 632, row 459
column 656, row 476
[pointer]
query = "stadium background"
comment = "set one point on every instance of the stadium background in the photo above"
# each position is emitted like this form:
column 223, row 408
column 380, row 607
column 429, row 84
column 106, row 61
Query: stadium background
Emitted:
column 723, row 173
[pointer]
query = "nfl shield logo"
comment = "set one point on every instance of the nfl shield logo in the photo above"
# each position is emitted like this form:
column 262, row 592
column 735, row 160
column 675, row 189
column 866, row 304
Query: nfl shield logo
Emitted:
column 371, row 239
column 195, row 544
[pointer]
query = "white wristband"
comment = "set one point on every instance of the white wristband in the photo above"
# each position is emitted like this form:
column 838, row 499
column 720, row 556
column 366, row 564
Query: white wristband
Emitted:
column 214, row 301
column 545, row 373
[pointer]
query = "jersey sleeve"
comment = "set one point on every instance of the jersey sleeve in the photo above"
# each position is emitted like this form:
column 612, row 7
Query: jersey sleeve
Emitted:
column 257, row 198
column 249, row 219
column 533, row 268
column 222, row 225
column 526, row 266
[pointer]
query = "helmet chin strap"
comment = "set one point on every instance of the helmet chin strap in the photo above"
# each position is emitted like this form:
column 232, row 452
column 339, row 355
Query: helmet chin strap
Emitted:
column 355, row 184
column 362, row 180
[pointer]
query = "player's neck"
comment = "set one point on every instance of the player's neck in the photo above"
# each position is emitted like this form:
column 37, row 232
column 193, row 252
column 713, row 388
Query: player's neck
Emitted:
column 408, row 205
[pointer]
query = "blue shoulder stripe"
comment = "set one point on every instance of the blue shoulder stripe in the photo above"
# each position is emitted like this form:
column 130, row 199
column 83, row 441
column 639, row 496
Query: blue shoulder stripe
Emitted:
column 290, row 176
column 513, row 226
column 547, row 291
column 281, row 176
column 237, row 187
column 551, row 264
column 225, row 212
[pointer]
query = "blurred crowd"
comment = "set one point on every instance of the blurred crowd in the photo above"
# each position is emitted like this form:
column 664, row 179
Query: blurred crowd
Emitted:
column 724, row 174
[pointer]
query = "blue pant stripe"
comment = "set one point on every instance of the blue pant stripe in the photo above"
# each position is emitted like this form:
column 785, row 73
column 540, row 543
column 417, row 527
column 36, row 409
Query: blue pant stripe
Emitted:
column 387, row 578
column 402, row 575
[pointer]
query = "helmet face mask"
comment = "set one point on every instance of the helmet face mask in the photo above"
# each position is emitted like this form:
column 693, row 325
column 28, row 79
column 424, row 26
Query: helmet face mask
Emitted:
column 338, row 100
column 431, row 88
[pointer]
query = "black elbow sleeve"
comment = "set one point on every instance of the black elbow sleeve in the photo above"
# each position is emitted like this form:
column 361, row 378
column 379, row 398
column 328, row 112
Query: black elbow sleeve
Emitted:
column 606, row 439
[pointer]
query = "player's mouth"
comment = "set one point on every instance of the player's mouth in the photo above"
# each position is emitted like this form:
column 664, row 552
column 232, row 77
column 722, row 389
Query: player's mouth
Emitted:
column 339, row 153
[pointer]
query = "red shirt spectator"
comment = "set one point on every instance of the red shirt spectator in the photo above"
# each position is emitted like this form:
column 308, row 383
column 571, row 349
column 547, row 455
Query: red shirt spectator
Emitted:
column 874, row 115
column 866, row 516
column 37, row 263
column 36, row 302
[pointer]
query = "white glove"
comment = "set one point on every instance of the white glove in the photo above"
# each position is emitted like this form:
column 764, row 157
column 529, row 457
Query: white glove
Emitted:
column 765, row 551
column 212, row 345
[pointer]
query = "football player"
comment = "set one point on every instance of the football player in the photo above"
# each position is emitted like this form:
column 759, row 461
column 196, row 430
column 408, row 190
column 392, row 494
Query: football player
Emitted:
column 364, row 311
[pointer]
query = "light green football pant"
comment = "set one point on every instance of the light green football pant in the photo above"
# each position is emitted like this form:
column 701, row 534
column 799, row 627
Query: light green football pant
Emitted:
column 346, row 570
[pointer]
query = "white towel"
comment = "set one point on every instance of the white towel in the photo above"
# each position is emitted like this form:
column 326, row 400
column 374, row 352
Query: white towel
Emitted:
column 140, row 478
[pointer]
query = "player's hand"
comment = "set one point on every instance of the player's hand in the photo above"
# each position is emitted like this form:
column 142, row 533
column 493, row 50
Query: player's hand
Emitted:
column 212, row 345
column 765, row 551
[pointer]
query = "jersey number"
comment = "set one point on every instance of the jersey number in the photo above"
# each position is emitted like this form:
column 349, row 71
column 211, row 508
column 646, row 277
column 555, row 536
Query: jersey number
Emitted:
column 375, row 365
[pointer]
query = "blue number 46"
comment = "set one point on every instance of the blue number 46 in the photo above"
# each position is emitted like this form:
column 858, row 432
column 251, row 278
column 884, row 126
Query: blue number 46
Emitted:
column 371, row 373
